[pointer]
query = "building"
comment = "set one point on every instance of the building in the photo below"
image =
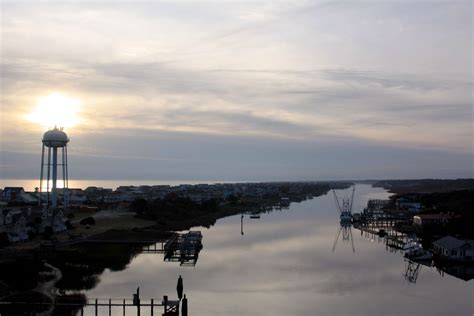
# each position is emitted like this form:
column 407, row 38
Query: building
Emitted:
column 452, row 248
column 11, row 194
column 13, row 223
column 408, row 204
column 423, row 220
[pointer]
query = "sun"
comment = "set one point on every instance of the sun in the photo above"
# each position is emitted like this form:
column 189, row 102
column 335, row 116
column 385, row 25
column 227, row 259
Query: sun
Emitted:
column 56, row 110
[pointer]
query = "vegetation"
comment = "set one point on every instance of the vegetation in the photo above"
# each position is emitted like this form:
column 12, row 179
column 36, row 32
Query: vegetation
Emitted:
column 175, row 213
column 460, row 204
column 425, row 185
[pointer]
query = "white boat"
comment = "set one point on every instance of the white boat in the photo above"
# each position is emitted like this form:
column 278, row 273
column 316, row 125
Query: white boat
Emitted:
column 415, row 251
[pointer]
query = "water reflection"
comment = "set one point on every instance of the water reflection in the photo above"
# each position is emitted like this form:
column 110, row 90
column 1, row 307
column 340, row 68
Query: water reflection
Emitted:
column 412, row 269
column 284, row 266
column 346, row 229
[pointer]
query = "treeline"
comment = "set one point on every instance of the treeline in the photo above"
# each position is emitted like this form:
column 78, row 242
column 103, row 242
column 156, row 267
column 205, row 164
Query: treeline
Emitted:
column 425, row 185
column 175, row 212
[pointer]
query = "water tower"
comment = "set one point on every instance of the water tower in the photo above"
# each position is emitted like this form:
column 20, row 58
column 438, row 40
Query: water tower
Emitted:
column 53, row 140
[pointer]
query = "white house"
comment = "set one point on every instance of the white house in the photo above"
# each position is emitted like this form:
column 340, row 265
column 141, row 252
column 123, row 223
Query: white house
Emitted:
column 14, row 224
column 454, row 249
column 58, row 221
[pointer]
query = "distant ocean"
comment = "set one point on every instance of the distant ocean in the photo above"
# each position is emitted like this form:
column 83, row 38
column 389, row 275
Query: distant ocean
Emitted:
column 30, row 185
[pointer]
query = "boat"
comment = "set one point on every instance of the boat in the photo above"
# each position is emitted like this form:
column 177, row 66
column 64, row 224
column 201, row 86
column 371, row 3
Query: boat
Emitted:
column 345, row 217
column 255, row 216
column 414, row 251
column 193, row 236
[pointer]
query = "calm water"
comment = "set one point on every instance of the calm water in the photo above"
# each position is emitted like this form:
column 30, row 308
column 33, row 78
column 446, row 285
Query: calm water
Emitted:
column 284, row 265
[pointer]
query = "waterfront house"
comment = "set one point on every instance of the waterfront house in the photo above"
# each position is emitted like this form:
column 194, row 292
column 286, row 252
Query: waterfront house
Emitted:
column 451, row 248
column 405, row 203
column 423, row 220
column 10, row 194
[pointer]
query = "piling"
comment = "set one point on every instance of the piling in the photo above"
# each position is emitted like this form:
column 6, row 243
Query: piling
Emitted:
column 184, row 306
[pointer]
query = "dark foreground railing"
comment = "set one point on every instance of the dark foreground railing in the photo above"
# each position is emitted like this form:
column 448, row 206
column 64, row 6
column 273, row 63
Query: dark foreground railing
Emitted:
column 128, row 306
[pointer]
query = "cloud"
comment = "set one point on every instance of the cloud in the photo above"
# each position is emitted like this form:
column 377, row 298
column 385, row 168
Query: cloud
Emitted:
column 286, row 72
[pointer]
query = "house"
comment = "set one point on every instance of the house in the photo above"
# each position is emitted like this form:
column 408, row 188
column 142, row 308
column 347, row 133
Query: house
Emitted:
column 10, row 194
column 58, row 221
column 422, row 220
column 14, row 224
column 408, row 204
column 452, row 248
column 76, row 197
column 28, row 198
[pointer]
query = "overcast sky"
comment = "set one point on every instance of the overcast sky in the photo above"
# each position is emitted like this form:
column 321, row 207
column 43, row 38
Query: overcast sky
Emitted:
column 243, row 90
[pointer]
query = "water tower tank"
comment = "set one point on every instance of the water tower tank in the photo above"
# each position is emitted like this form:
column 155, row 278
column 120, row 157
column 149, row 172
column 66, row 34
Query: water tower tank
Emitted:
column 55, row 138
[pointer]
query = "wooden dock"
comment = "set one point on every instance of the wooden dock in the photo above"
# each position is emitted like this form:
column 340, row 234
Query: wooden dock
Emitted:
column 180, row 247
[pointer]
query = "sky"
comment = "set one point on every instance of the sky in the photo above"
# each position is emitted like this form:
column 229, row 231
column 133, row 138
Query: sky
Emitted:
column 240, row 90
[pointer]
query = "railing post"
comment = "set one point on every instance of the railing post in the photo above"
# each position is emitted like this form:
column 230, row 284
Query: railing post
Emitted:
column 110, row 307
column 151, row 307
column 165, row 302
column 96, row 311
column 184, row 306
column 123, row 307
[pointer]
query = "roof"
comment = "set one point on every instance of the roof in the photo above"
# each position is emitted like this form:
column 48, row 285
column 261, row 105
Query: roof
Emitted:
column 434, row 216
column 449, row 242
column 15, row 189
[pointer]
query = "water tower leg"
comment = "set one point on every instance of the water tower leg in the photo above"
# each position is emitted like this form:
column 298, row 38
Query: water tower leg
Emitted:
column 65, row 193
column 47, row 178
column 54, row 196
column 40, row 197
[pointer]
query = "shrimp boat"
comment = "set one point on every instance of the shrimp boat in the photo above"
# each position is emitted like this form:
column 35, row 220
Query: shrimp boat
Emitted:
column 415, row 251
column 345, row 209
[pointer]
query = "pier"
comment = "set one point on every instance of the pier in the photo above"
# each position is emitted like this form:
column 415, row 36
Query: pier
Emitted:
column 180, row 247
column 114, row 306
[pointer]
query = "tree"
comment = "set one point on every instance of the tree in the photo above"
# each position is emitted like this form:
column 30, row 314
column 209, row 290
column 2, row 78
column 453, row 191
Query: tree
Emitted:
column 139, row 206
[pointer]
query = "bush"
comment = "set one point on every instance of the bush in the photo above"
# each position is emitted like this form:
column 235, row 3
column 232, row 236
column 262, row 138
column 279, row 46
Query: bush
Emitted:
column 88, row 221
column 4, row 241
column 48, row 232
column 68, row 224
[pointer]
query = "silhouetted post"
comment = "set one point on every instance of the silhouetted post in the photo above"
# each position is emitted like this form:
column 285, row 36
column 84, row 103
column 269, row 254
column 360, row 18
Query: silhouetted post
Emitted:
column 136, row 300
column 165, row 303
column 179, row 287
column 184, row 306
column 152, row 303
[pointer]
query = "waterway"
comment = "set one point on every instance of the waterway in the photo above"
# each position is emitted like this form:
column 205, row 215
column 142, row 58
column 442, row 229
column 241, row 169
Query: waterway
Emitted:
column 284, row 264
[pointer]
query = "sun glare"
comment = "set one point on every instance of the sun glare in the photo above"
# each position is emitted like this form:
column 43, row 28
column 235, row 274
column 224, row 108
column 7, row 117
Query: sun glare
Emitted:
column 55, row 110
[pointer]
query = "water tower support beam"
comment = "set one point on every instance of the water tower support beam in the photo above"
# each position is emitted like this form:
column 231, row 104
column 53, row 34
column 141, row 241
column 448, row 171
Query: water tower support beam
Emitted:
column 41, row 177
column 54, row 195
column 65, row 185
column 49, row 173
